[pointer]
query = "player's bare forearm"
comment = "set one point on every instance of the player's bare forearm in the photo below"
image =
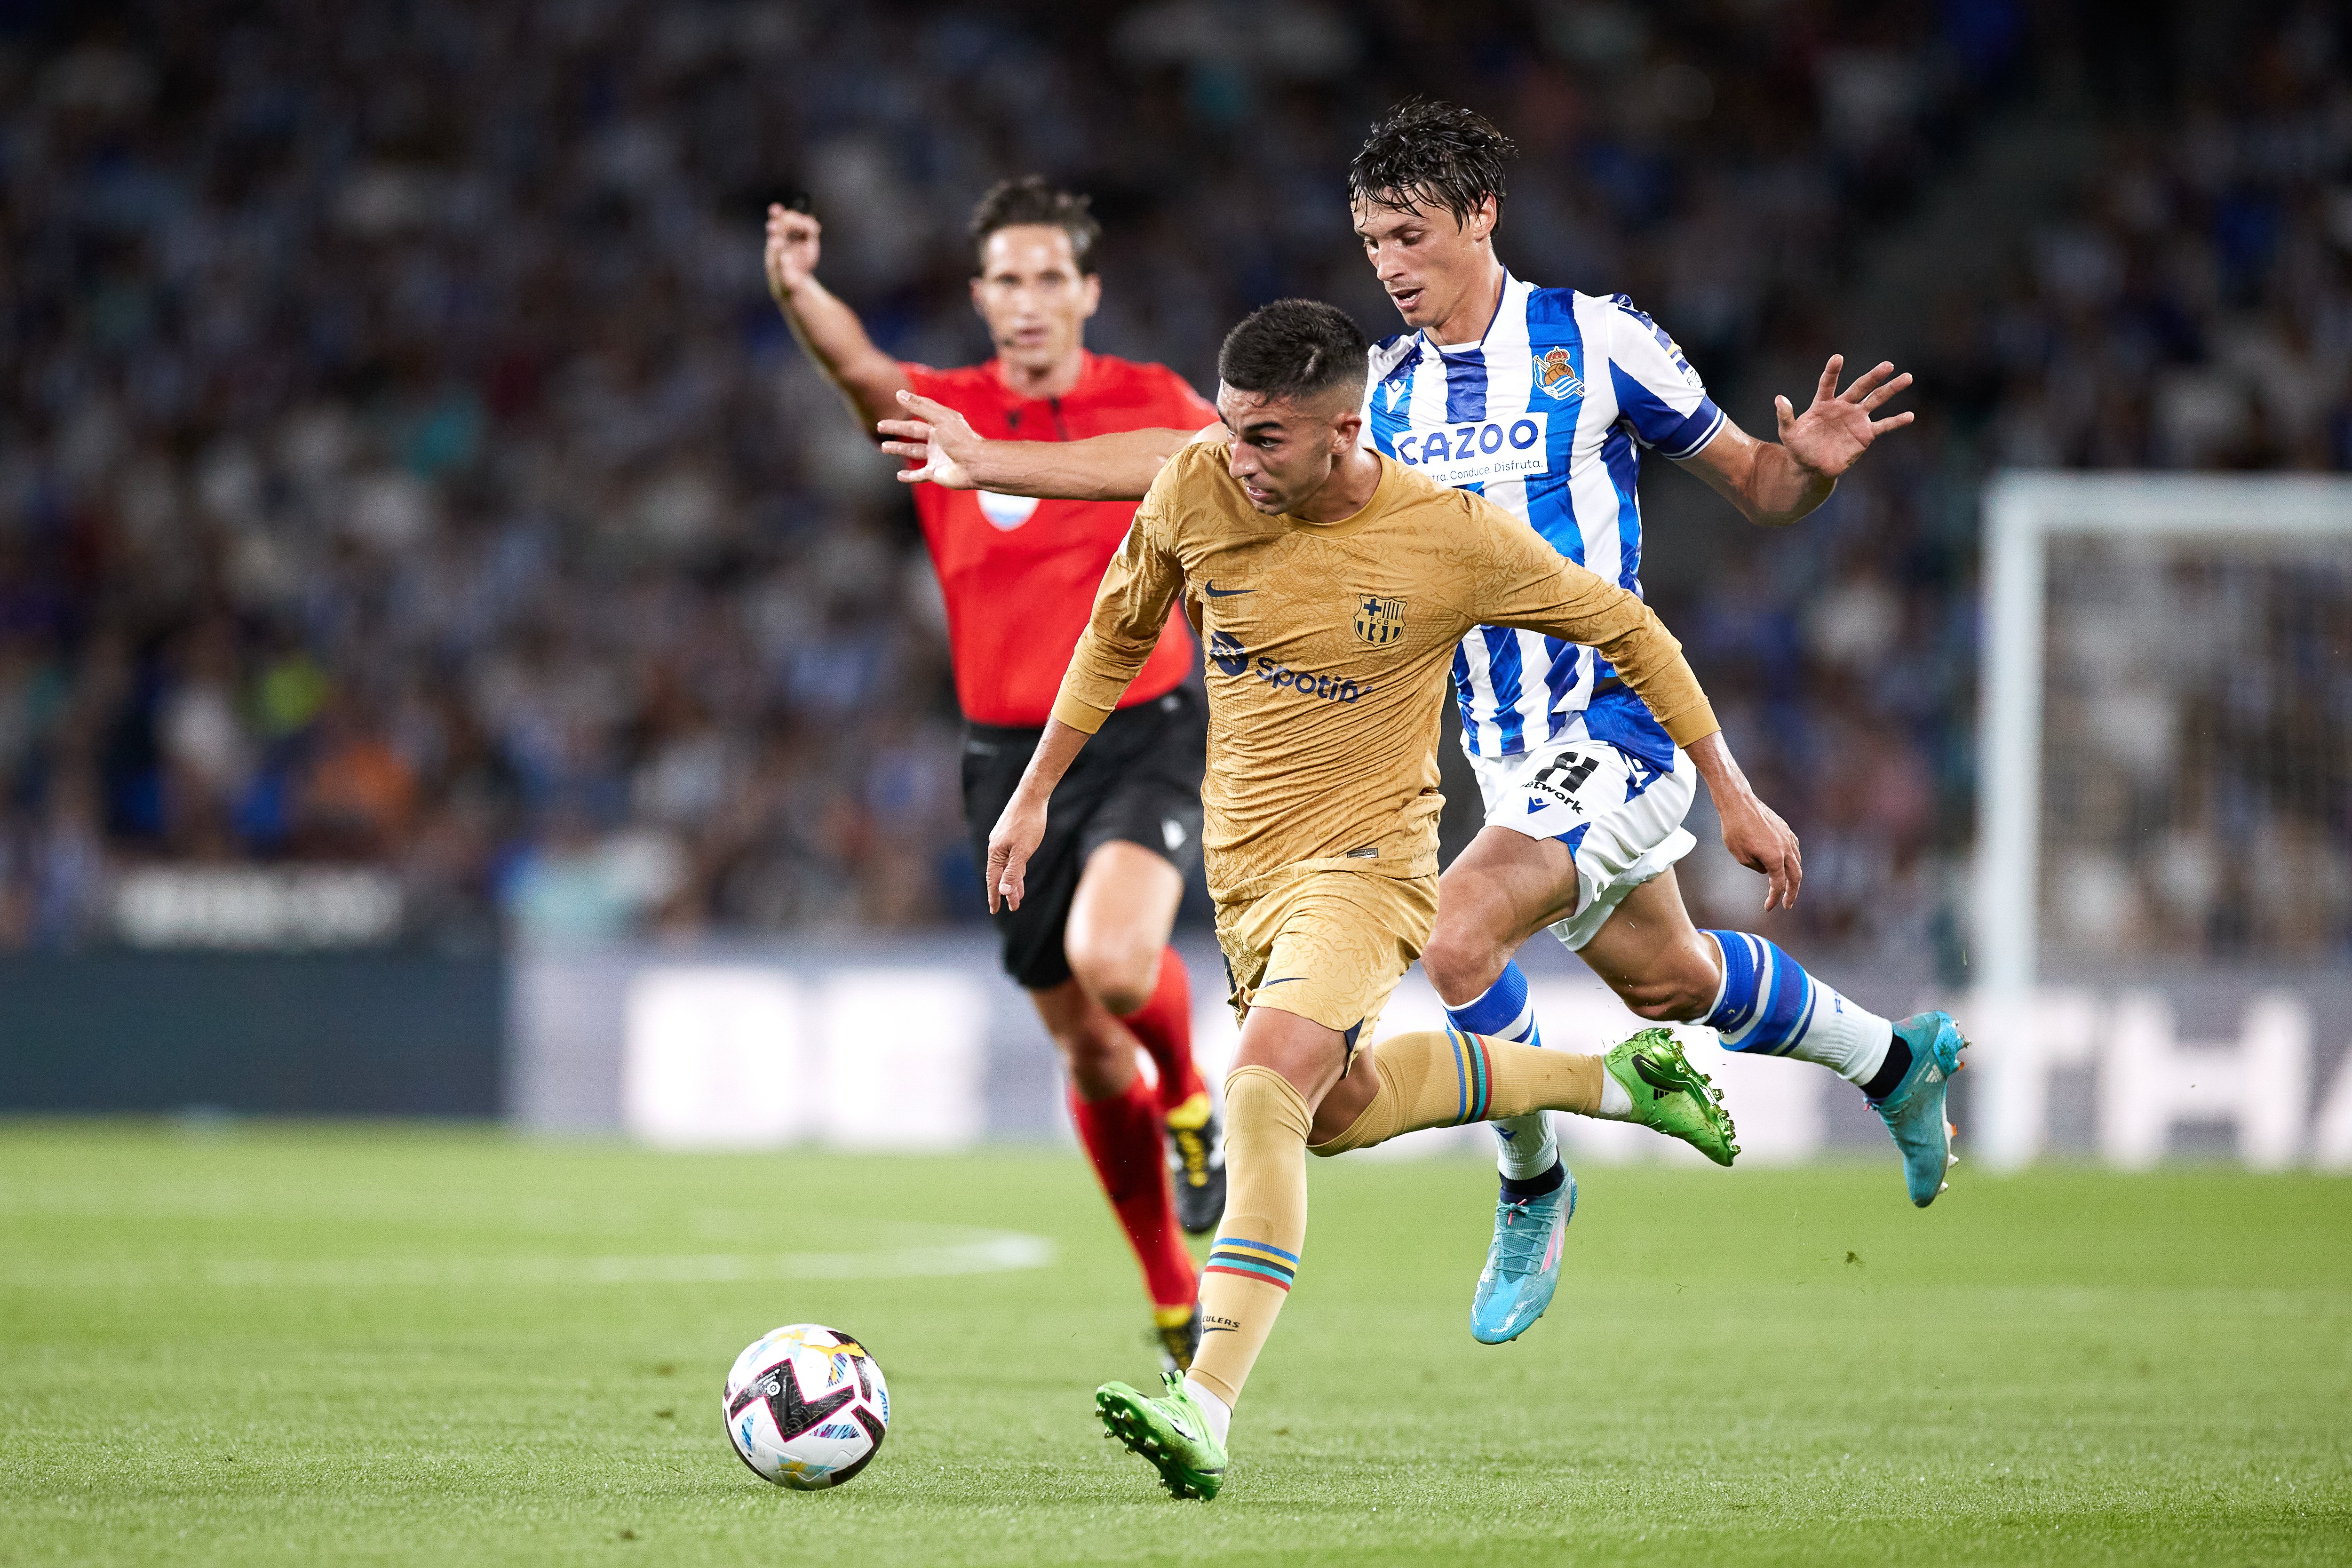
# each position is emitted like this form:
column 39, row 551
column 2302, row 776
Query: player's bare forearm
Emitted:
column 1775, row 483
column 1021, row 827
column 1774, row 490
column 1116, row 467
column 1752, row 831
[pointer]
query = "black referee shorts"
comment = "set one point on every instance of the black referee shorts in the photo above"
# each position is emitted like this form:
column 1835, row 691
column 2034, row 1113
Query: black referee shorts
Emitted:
column 1138, row 779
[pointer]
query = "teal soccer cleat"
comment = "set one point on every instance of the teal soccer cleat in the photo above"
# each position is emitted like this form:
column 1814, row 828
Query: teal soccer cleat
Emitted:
column 1914, row 1111
column 1523, row 1265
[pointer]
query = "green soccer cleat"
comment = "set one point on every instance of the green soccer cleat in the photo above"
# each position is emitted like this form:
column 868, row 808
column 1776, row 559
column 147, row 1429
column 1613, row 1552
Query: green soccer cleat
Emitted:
column 1171, row 1432
column 1672, row 1097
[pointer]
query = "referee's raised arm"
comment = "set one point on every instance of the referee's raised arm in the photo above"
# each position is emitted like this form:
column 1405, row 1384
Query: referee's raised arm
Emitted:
column 828, row 330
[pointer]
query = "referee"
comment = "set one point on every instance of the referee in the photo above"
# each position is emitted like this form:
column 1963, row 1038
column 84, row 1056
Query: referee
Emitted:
column 1090, row 943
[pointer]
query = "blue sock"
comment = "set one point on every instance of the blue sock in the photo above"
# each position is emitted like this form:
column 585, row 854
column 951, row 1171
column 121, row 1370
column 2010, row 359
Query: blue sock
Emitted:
column 1502, row 1011
column 1524, row 1148
column 1769, row 1006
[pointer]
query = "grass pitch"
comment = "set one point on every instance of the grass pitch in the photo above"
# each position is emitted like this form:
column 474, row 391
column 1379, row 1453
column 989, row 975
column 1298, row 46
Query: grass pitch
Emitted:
column 456, row 1348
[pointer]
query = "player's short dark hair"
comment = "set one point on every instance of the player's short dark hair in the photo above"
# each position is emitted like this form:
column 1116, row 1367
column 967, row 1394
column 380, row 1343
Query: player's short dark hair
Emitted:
column 1293, row 350
column 1033, row 199
column 1430, row 153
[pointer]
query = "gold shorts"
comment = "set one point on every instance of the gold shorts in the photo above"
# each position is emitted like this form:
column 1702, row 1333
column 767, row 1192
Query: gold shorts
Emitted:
column 1326, row 944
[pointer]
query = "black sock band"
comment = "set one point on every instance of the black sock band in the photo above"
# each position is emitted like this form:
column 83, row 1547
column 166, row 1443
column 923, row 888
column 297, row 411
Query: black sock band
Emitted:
column 1889, row 1076
column 1551, row 1181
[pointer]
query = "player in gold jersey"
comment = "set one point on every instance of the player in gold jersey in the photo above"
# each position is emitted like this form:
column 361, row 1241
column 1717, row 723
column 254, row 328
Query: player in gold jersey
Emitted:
column 1542, row 400
column 1330, row 584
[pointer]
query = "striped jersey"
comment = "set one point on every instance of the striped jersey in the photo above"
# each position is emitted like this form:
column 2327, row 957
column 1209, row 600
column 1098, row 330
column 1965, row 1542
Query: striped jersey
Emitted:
column 1546, row 416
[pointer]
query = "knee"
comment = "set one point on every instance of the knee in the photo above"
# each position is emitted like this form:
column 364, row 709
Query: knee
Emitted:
column 1460, row 962
column 1101, row 1060
column 1118, row 974
column 1263, row 1102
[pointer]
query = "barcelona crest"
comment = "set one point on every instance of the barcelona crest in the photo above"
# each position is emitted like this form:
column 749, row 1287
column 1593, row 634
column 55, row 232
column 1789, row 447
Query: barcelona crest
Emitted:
column 1556, row 376
column 1379, row 622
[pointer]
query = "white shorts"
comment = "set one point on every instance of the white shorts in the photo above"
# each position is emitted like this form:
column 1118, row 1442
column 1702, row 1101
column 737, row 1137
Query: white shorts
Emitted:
column 1622, row 817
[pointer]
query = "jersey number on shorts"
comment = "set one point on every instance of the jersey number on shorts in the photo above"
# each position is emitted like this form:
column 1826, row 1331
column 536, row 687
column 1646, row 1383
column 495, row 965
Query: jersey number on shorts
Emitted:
column 1561, row 780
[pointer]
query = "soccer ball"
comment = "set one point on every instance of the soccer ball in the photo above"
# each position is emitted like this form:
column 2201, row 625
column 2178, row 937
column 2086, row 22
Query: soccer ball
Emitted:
column 806, row 1406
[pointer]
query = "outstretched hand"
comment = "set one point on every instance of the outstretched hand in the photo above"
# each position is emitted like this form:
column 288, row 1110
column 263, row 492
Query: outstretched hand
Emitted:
column 1761, row 841
column 1829, row 436
column 938, row 439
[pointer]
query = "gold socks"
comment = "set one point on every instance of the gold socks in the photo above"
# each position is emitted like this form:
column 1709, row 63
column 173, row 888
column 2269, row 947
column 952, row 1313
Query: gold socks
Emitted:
column 1249, row 1270
column 1429, row 1079
column 1444, row 1078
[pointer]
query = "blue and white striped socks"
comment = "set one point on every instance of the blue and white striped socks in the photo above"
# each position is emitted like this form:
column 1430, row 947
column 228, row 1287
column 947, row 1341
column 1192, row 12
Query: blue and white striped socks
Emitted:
column 1524, row 1144
column 1769, row 1006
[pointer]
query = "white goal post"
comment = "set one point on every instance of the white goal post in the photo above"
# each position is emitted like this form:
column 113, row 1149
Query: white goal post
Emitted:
column 2303, row 524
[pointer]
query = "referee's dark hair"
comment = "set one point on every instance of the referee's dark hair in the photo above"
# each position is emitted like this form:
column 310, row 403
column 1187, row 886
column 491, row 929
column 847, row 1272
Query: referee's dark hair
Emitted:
column 1427, row 153
column 1033, row 200
column 1295, row 350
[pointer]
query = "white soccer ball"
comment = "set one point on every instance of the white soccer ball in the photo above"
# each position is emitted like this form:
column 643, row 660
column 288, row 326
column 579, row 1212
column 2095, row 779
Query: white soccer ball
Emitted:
column 806, row 1406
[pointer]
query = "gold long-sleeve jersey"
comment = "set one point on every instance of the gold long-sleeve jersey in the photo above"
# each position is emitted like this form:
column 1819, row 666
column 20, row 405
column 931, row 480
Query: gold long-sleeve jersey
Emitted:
column 1328, row 648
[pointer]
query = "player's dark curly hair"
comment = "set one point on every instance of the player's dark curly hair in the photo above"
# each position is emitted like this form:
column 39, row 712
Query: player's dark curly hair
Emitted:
column 1293, row 350
column 1430, row 153
column 1033, row 200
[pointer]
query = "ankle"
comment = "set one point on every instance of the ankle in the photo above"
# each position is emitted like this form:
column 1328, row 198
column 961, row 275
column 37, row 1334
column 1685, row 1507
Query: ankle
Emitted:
column 1545, row 1181
column 1889, row 1076
column 1213, row 1410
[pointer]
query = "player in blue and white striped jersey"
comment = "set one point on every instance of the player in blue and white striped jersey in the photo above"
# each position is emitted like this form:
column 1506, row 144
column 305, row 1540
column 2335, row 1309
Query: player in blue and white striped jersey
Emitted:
column 1543, row 399
column 1546, row 414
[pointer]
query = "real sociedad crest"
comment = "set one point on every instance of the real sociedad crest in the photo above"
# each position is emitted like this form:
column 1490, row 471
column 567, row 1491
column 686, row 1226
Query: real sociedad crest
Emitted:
column 1555, row 373
column 1379, row 622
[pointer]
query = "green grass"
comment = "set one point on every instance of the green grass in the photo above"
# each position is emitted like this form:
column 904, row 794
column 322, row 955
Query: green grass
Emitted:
column 360, row 1346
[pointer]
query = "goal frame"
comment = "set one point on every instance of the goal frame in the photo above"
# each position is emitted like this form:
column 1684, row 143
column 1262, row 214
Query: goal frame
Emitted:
column 2023, row 510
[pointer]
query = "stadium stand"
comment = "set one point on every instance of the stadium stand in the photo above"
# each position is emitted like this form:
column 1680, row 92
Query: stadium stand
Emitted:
column 402, row 465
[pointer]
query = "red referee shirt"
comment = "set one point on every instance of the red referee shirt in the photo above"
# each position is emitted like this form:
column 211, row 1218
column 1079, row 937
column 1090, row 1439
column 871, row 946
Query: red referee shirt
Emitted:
column 1020, row 575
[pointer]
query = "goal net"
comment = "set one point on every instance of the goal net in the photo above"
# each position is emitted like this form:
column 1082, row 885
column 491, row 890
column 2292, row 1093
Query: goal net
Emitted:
column 2166, row 765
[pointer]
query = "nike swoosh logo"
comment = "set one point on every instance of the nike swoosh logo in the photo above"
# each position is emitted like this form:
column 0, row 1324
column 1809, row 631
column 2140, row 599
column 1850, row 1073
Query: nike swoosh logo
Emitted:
column 1216, row 1329
column 1283, row 981
column 1216, row 593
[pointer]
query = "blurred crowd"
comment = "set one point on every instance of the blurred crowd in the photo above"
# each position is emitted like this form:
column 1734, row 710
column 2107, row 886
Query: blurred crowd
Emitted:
column 402, row 464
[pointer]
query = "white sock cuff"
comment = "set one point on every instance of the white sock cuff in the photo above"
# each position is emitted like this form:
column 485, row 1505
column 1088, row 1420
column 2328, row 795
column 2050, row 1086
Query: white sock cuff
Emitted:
column 1879, row 1036
column 1220, row 1414
column 1530, row 1149
column 1616, row 1105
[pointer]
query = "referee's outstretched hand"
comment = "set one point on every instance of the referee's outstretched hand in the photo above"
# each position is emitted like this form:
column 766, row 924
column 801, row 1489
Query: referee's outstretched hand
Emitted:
column 1014, row 838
